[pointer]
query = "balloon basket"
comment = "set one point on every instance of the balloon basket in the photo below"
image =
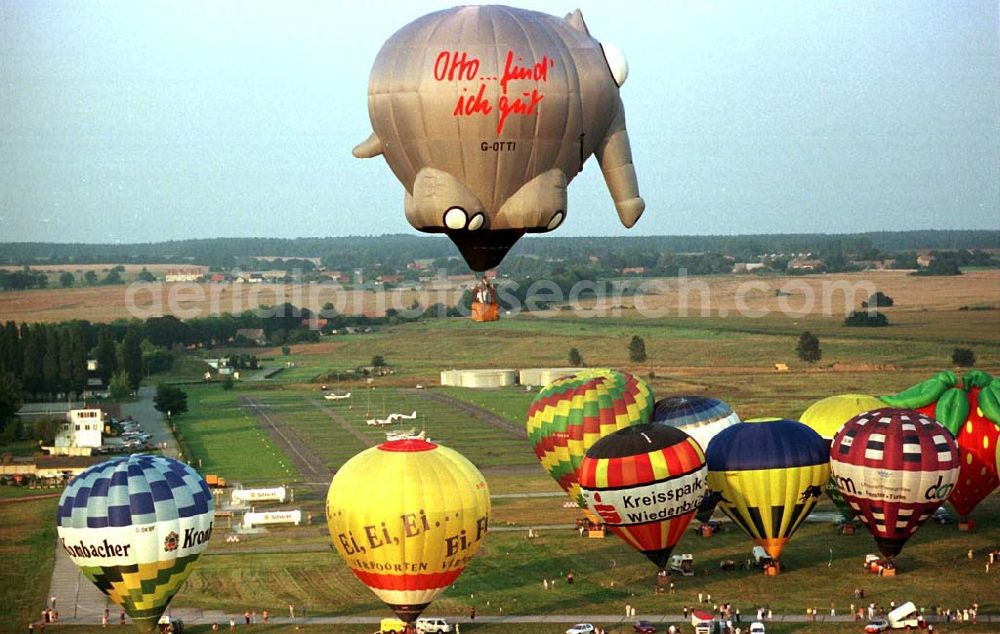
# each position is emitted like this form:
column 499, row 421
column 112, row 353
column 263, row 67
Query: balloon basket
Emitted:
column 485, row 312
column 967, row 526
column 772, row 569
column 847, row 529
column 888, row 572
column 706, row 530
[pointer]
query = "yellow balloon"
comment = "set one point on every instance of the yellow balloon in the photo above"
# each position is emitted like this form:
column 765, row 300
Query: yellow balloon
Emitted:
column 407, row 516
column 828, row 415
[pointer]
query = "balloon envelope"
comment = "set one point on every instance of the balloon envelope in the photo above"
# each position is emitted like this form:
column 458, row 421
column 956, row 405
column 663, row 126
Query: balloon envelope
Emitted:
column 573, row 412
column 894, row 467
column 407, row 517
column 135, row 526
column 486, row 113
column 770, row 475
column 977, row 441
column 826, row 416
column 645, row 482
column 701, row 417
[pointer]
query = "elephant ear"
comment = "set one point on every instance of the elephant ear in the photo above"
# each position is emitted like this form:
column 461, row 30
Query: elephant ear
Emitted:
column 575, row 20
column 952, row 410
column 923, row 393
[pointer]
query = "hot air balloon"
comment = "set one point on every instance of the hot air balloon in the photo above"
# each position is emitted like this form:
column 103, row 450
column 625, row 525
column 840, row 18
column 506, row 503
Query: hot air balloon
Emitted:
column 702, row 417
column 407, row 517
column 826, row 416
column 573, row 412
column 770, row 475
column 894, row 467
column 486, row 113
column 135, row 526
column 970, row 410
column 645, row 483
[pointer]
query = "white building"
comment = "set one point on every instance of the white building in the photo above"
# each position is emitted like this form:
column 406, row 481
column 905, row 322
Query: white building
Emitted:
column 81, row 433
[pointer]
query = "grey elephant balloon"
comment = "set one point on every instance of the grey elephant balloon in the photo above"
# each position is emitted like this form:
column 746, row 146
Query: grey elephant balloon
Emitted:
column 486, row 113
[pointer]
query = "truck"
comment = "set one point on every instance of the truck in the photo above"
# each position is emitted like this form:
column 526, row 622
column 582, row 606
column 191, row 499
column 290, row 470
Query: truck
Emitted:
column 683, row 564
column 215, row 481
column 905, row 616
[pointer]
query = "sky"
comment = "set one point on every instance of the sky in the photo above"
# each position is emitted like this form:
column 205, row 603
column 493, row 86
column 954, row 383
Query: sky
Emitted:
column 130, row 121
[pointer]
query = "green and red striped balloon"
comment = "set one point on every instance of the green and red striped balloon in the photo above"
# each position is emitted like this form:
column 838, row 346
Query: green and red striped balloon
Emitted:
column 573, row 412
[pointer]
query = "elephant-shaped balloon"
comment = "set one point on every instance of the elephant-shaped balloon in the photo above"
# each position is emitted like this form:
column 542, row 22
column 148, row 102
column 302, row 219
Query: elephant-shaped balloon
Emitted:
column 486, row 113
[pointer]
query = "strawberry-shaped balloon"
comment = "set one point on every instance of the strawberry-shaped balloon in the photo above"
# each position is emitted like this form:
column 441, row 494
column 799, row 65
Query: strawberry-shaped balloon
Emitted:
column 970, row 410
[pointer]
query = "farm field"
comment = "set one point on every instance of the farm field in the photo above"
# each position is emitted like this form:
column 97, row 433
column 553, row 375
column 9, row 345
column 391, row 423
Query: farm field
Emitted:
column 694, row 296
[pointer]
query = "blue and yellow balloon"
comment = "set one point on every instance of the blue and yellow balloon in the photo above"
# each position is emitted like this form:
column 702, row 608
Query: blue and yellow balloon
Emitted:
column 769, row 476
column 135, row 526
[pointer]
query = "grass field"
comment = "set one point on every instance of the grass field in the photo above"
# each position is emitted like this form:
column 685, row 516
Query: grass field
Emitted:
column 27, row 538
column 221, row 438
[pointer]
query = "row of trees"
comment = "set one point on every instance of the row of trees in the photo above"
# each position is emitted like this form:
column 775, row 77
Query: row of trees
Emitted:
column 51, row 359
column 395, row 251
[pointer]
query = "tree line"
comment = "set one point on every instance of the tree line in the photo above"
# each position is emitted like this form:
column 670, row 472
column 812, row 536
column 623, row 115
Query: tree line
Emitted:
column 395, row 251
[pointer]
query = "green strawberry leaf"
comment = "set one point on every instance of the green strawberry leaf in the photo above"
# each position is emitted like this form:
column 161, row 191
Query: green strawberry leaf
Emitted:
column 948, row 377
column 976, row 378
column 921, row 394
column 989, row 401
column 952, row 409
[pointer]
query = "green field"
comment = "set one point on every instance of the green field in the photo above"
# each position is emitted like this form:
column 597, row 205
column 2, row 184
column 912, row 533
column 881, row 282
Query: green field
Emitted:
column 28, row 530
column 219, row 437
column 732, row 359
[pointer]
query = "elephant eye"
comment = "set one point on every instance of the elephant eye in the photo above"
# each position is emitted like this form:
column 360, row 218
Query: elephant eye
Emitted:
column 616, row 62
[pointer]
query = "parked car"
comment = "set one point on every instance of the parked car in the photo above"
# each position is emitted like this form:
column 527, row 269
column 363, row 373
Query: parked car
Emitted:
column 581, row 628
column 643, row 627
column 432, row 625
column 942, row 516
column 757, row 628
column 878, row 625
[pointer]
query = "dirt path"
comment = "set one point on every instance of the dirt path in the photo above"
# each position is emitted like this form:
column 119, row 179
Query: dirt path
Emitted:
column 340, row 420
column 305, row 460
column 485, row 416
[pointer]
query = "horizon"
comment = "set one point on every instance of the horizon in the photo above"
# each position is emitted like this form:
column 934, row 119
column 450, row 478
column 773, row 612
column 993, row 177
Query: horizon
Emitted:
column 543, row 236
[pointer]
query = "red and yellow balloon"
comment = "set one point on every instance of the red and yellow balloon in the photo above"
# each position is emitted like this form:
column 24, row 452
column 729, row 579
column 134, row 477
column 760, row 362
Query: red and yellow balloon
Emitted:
column 645, row 483
column 407, row 517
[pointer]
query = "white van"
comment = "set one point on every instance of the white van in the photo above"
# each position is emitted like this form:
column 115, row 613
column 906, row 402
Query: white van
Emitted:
column 683, row 564
column 432, row 625
column 905, row 615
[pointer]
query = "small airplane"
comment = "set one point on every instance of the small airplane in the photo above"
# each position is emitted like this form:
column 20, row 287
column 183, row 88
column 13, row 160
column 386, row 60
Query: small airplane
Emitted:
column 410, row 434
column 396, row 417
column 336, row 397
